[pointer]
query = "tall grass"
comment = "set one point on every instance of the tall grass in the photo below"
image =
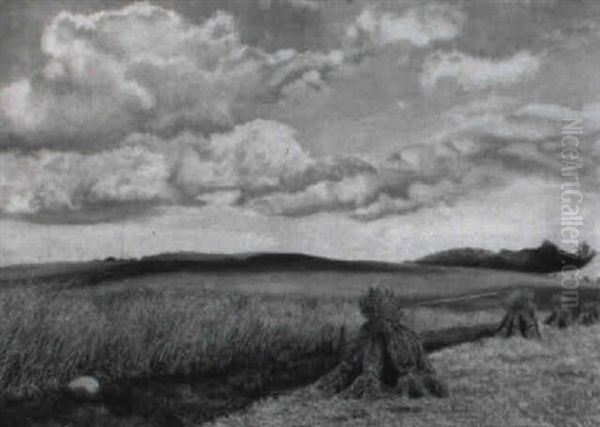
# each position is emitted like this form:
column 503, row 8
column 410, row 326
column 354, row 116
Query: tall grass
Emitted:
column 48, row 336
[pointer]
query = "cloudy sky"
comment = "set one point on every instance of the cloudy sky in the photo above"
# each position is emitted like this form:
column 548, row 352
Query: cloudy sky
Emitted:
column 352, row 129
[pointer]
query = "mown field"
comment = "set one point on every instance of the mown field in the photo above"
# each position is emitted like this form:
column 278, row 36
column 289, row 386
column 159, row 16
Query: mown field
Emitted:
column 497, row 383
column 186, row 347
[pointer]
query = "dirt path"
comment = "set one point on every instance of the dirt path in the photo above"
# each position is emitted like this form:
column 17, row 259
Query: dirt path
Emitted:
column 463, row 298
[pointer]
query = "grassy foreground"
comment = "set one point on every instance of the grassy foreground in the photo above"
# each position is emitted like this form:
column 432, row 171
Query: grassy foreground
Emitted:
column 176, row 339
column 497, row 383
column 48, row 335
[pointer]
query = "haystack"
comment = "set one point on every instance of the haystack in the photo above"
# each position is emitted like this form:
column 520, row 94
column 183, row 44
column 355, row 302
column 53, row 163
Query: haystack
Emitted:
column 520, row 318
column 560, row 317
column 590, row 313
column 385, row 356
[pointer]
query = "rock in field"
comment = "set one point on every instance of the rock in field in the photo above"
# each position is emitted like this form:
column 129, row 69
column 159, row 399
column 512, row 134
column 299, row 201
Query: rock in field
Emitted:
column 85, row 387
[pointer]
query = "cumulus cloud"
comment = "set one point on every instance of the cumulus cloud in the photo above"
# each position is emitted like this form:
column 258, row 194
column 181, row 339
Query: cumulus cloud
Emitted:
column 472, row 72
column 257, row 164
column 309, row 84
column 486, row 144
column 417, row 26
column 413, row 177
column 150, row 109
column 53, row 182
column 384, row 205
column 409, row 185
column 143, row 68
column 253, row 157
column 261, row 165
column 258, row 160
column 525, row 138
column 347, row 193
column 237, row 168
column 306, row 73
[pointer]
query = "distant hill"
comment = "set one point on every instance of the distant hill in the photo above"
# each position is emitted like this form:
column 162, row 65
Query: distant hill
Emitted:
column 91, row 272
column 546, row 258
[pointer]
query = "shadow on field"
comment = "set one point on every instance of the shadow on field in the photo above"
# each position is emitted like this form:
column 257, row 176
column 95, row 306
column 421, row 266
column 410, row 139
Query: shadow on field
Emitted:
column 168, row 400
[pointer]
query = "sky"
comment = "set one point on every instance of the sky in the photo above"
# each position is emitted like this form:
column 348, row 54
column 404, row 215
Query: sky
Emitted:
column 350, row 129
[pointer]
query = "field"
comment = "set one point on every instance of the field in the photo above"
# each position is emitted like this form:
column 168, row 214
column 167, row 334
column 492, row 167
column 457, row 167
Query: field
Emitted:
column 182, row 348
column 498, row 383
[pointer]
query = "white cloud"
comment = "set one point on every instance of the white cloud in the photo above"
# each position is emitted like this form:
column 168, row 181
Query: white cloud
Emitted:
column 15, row 102
column 419, row 195
column 129, row 81
column 254, row 156
column 504, row 127
column 302, row 63
column 261, row 165
column 311, row 5
column 384, row 206
column 497, row 117
column 418, row 26
column 50, row 181
column 590, row 114
column 145, row 68
column 492, row 220
column 310, row 83
column 472, row 72
column 349, row 192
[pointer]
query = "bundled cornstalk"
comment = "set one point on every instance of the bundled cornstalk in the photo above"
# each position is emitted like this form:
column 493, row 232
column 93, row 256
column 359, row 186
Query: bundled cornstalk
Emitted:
column 385, row 356
column 561, row 315
column 520, row 318
column 590, row 313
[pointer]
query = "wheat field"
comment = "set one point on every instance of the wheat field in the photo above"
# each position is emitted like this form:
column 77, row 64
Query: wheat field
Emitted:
column 497, row 383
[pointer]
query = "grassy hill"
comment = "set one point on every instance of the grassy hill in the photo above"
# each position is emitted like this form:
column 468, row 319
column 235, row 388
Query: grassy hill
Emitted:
column 93, row 272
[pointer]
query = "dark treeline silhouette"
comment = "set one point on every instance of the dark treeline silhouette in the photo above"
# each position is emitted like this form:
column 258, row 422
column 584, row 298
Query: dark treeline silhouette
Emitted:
column 546, row 258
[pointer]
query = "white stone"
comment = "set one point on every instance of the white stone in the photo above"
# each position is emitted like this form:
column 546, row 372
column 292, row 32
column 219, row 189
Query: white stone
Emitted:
column 84, row 386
